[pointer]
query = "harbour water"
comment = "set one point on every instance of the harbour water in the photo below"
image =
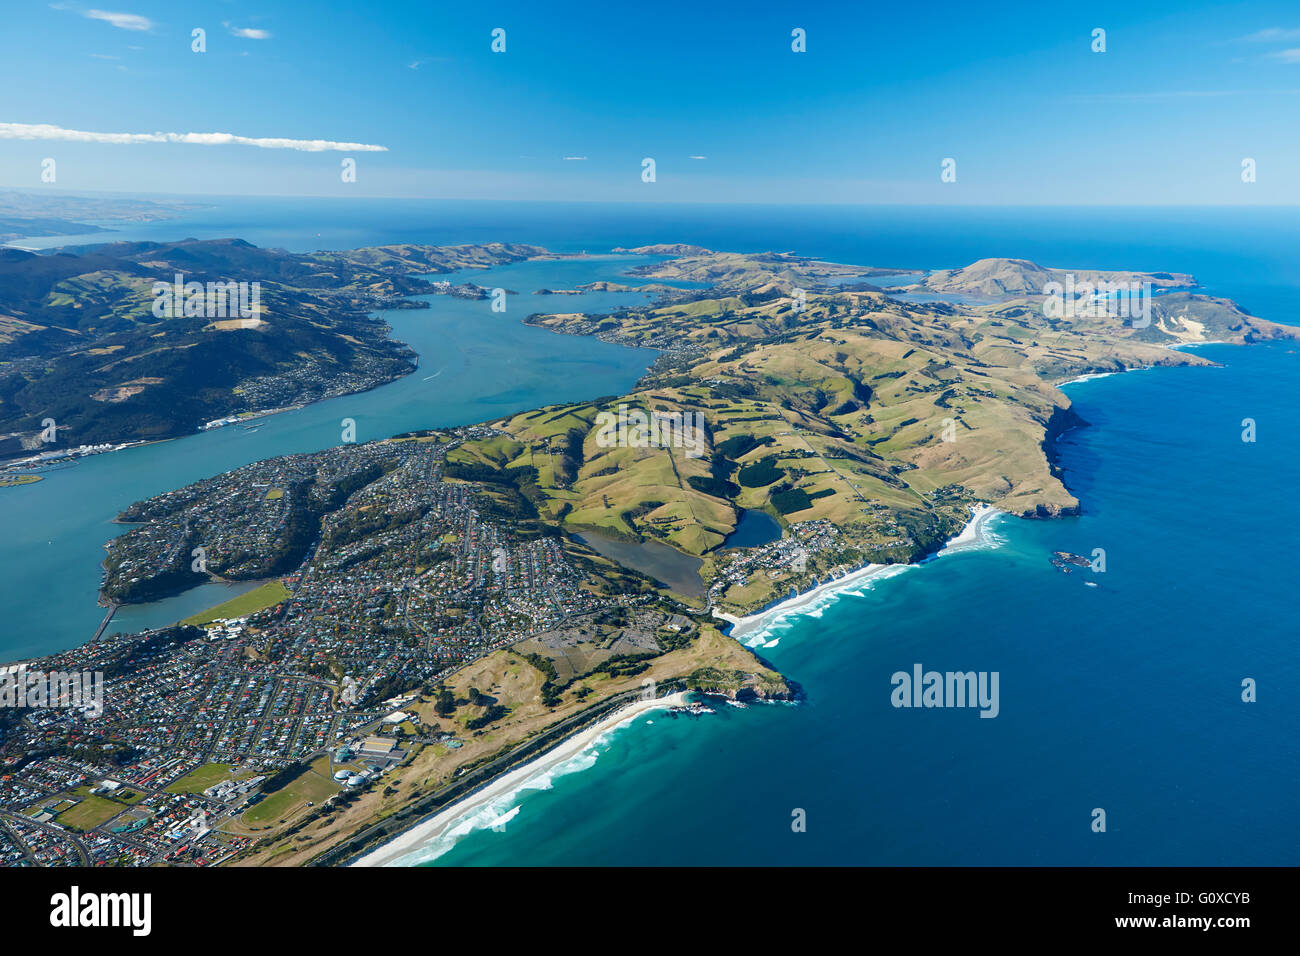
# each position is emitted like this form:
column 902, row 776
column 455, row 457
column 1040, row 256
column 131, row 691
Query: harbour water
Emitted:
column 1124, row 696
column 474, row 365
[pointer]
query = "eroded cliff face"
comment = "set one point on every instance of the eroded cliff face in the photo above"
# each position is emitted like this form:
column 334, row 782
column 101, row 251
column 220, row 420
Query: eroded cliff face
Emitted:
column 1052, row 510
column 1064, row 418
column 767, row 690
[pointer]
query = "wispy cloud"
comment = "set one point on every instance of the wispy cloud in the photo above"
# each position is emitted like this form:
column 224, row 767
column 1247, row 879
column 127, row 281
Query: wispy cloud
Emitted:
column 1273, row 34
column 1160, row 96
column 575, row 159
column 1286, row 56
column 45, row 131
column 697, row 157
column 123, row 21
column 247, row 33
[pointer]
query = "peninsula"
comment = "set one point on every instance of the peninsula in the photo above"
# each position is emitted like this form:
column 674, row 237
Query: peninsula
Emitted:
column 445, row 606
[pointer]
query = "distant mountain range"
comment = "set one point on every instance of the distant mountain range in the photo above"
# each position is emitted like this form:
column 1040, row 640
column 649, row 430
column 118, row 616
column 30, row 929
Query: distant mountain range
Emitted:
column 49, row 212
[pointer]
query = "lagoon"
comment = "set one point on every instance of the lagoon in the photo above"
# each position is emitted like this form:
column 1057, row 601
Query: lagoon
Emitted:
column 667, row 565
column 753, row 529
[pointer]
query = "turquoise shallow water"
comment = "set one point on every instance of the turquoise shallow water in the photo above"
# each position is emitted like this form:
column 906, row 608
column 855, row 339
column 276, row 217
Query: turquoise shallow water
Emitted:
column 1124, row 696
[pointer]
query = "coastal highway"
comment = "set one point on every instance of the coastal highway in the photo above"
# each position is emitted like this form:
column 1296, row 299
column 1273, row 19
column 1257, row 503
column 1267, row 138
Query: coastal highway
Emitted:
column 112, row 609
column 367, row 839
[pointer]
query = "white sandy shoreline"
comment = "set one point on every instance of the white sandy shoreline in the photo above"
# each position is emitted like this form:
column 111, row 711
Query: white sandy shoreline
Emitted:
column 971, row 536
column 409, row 841
column 403, row 848
column 1177, row 346
column 1094, row 375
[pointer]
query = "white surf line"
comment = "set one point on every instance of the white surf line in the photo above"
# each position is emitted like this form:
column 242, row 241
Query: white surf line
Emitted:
column 757, row 627
column 405, row 849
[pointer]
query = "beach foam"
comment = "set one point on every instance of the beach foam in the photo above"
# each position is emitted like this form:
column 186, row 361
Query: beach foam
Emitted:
column 1087, row 378
column 978, row 534
column 766, row 627
column 496, row 804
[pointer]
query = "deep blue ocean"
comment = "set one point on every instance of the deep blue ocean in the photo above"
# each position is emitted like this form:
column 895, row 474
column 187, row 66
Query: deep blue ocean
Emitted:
column 1125, row 696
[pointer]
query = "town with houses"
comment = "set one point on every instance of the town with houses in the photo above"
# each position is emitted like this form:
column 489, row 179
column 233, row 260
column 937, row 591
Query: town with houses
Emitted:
column 383, row 574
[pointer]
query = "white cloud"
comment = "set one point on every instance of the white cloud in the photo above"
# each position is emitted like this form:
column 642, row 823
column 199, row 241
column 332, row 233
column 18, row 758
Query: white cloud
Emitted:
column 1274, row 33
column 1159, row 96
column 249, row 33
column 575, row 159
column 697, row 157
column 45, row 131
column 1287, row 56
column 123, row 21
column 416, row 64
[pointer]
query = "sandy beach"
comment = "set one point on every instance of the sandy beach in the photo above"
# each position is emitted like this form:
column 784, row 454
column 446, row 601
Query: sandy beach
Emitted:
column 410, row 841
column 971, row 536
column 1089, row 377
column 744, row 626
column 1176, row 347
column 974, row 535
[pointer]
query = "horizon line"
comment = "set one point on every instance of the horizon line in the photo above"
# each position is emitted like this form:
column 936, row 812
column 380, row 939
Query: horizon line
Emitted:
column 657, row 202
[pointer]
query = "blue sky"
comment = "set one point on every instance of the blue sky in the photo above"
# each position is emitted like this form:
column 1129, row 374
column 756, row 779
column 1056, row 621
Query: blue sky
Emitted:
column 884, row 93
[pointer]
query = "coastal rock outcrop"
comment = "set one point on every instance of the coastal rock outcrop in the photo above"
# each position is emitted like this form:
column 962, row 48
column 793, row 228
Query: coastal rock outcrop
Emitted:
column 742, row 685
